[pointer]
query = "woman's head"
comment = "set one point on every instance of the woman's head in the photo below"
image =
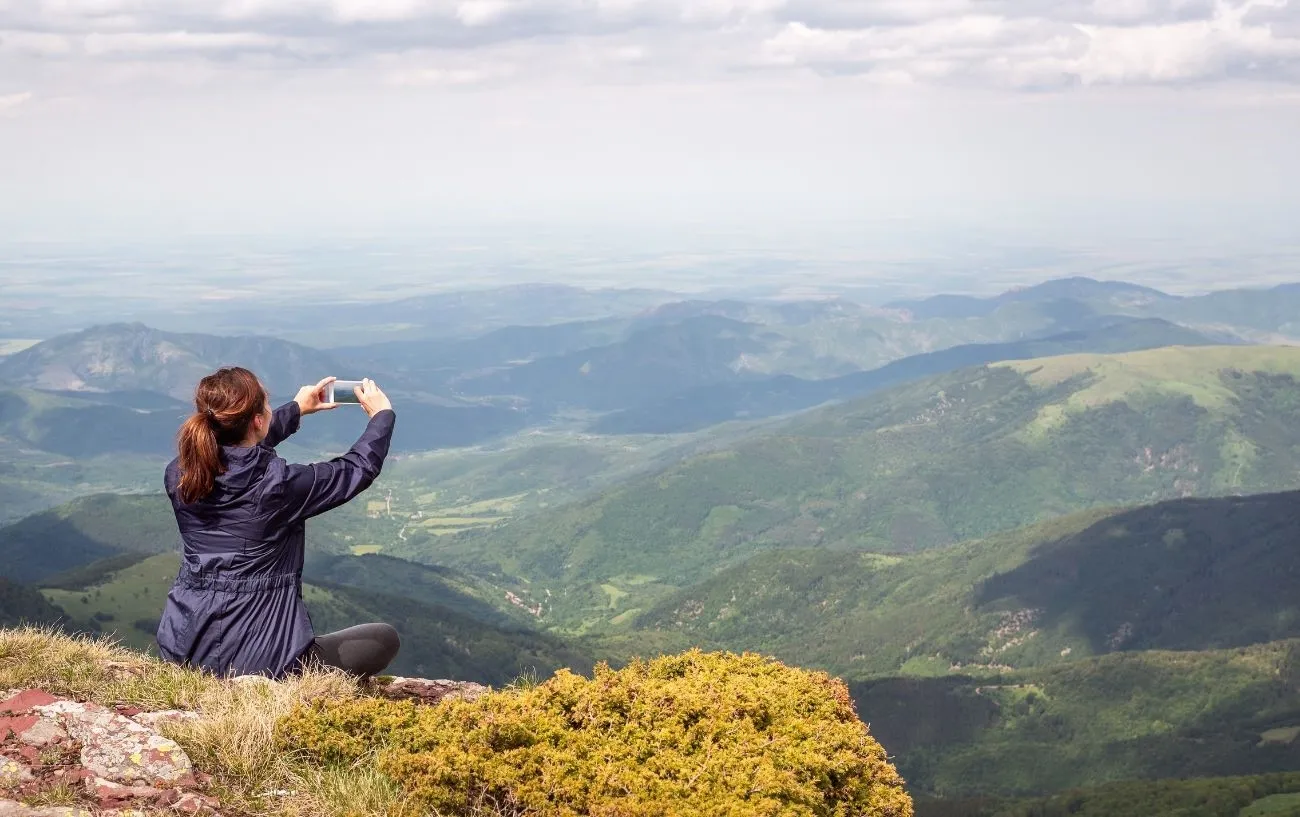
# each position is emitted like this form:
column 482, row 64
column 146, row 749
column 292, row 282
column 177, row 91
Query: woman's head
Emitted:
column 230, row 408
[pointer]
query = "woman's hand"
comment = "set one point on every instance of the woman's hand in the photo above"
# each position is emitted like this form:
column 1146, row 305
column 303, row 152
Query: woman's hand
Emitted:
column 372, row 398
column 311, row 399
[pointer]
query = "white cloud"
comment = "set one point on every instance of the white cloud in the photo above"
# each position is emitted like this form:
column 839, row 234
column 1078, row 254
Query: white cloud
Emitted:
column 155, row 42
column 993, row 43
column 450, row 76
column 34, row 43
column 481, row 12
column 11, row 101
column 1033, row 51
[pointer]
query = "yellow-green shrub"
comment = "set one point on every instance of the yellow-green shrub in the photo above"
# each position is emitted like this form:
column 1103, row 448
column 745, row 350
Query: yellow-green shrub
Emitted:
column 694, row 734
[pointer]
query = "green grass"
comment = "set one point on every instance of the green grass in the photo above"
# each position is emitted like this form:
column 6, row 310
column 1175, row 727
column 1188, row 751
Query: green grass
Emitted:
column 1275, row 805
column 133, row 595
column 1193, row 372
column 1283, row 734
column 615, row 595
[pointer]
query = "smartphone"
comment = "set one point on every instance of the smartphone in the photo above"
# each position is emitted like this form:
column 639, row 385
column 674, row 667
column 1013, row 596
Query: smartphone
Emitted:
column 341, row 391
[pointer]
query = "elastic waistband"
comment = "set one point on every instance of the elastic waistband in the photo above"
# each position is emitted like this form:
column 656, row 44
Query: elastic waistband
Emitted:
column 225, row 583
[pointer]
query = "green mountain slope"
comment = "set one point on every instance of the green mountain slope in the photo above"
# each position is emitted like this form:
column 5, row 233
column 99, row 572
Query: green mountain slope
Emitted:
column 437, row 641
column 1187, row 574
column 452, row 589
column 86, row 530
column 20, row 604
column 706, row 405
column 926, row 464
column 1128, row 716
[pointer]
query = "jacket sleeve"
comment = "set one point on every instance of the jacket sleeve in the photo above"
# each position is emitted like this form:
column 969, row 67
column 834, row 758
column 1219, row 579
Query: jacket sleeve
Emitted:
column 284, row 422
column 316, row 488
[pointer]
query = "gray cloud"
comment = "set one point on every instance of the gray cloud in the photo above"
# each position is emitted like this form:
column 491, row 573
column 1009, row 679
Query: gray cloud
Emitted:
column 1017, row 44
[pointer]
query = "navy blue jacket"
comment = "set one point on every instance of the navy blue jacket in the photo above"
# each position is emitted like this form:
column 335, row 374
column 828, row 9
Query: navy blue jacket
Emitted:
column 236, row 606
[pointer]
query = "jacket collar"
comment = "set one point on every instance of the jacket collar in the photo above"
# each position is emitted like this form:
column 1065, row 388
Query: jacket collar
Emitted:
column 244, row 466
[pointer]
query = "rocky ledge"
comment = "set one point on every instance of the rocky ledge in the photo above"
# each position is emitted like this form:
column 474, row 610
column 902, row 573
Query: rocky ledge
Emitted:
column 55, row 750
column 50, row 747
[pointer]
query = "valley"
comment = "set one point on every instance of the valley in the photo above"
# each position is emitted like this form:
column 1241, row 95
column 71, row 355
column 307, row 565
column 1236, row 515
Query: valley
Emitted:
column 1047, row 537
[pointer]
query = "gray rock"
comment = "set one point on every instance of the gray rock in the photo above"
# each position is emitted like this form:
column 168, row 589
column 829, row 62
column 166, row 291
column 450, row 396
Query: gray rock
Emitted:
column 152, row 720
column 12, row 808
column 12, row 773
column 44, row 732
column 117, row 748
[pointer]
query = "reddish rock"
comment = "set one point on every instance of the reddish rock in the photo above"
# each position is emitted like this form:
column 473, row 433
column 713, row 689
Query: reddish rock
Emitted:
column 117, row 748
column 127, row 711
column 16, row 725
column 26, row 700
column 429, row 692
column 191, row 803
column 110, row 795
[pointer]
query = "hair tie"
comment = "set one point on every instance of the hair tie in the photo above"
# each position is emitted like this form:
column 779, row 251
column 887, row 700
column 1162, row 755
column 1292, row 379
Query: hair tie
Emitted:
column 212, row 415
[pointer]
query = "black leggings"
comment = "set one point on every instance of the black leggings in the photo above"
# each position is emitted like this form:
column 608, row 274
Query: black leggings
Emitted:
column 363, row 650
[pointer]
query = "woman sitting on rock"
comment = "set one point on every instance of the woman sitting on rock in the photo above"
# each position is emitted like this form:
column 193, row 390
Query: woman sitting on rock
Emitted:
column 236, row 606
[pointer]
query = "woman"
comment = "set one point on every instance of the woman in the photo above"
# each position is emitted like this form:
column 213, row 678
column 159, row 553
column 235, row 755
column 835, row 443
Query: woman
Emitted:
column 236, row 606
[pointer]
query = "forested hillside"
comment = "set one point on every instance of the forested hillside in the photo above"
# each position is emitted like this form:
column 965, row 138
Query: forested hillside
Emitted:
column 955, row 457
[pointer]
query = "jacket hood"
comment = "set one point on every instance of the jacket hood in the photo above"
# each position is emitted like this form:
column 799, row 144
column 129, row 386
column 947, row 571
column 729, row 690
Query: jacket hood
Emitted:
column 245, row 465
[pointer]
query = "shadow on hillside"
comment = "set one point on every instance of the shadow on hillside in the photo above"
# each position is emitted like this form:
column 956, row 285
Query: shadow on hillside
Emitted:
column 949, row 734
column 39, row 547
column 1186, row 574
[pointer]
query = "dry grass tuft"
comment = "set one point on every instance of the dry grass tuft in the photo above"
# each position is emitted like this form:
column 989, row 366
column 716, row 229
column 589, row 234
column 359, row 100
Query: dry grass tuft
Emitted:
column 234, row 740
column 234, row 737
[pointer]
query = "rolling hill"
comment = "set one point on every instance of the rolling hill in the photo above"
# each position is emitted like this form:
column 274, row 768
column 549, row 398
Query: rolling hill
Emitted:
column 134, row 357
column 646, row 364
column 1189, row 574
column 1266, row 315
column 1129, row 716
column 704, row 406
column 125, row 388
column 930, row 463
column 1104, row 297
column 86, row 530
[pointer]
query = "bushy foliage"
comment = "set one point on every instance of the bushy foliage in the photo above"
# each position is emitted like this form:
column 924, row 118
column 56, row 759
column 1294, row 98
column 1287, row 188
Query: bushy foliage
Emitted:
column 692, row 734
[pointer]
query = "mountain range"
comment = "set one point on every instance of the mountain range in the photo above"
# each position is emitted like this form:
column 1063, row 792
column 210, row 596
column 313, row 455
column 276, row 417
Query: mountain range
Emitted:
column 1047, row 537
column 921, row 465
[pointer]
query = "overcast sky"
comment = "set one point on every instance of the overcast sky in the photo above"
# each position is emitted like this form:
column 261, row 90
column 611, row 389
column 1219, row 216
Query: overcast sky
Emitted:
column 131, row 116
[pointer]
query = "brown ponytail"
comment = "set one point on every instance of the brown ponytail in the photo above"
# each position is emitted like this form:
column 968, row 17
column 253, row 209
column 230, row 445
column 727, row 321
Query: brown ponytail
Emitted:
column 225, row 404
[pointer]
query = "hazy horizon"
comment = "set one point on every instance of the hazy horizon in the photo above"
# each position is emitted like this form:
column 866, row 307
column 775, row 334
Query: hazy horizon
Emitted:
column 130, row 119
